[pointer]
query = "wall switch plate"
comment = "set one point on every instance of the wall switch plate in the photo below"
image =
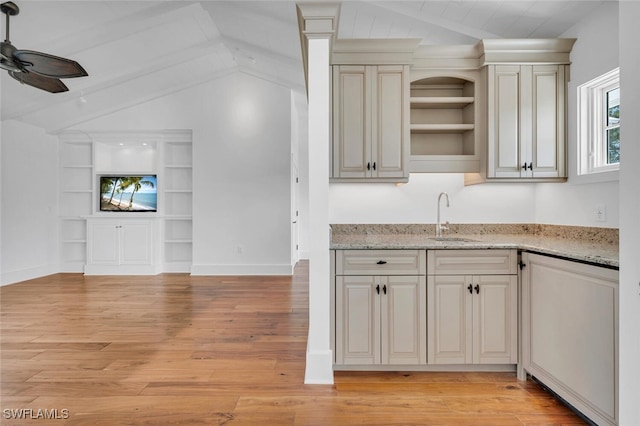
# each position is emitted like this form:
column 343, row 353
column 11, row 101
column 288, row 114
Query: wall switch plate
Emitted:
column 601, row 213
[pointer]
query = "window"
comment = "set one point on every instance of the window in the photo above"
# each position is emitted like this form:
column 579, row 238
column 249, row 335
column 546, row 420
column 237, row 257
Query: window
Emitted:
column 599, row 124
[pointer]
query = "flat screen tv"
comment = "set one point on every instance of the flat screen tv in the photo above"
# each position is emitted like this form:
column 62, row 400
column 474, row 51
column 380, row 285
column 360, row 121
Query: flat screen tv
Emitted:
column 128, row 193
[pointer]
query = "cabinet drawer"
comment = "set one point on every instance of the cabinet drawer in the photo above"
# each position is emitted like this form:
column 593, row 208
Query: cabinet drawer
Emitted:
column 472, row 262
column 380, row 262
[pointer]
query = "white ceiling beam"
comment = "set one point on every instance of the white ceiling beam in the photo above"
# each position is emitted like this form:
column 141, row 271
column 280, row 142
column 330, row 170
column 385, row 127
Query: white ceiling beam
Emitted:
column 438, row 21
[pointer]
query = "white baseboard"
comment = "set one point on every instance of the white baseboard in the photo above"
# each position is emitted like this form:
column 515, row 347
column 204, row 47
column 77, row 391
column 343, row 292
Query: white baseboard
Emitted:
column 28, row 274
column 242, row 269
column 319, row 368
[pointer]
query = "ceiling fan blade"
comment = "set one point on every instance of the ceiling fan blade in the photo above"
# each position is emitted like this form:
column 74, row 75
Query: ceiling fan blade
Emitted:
column 52, row 85
column 49, row 65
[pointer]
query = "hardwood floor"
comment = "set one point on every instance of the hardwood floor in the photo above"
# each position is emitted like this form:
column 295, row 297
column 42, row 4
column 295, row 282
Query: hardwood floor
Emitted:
column 176, row 349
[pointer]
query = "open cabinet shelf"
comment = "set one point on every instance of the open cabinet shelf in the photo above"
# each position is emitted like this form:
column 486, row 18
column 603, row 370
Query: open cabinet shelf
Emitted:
column 443, row 125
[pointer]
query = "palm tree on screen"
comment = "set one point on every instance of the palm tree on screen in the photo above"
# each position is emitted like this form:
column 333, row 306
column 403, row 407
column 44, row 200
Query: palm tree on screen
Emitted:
column 137, row 184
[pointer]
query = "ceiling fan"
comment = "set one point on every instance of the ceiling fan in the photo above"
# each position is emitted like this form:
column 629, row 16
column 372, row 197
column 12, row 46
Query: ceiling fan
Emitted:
column 37, row 69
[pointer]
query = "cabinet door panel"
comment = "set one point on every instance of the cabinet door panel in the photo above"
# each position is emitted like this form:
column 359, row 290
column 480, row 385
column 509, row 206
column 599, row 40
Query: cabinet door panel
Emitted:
column 548, row 116
column 103, row 243
column 380, row 262
column 449, row 322
column 570, row 324
column 404, row 320
column 472, row 262
column 351, row 121
column 136, row 243
column 496, row 320
column 504, row 122
column 357, row 320
column 390, row 125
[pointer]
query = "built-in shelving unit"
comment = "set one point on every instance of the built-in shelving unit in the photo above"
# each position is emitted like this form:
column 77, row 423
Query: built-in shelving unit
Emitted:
column 178, row 200
column 75, row 198
column 83, row 156
column 443, row 125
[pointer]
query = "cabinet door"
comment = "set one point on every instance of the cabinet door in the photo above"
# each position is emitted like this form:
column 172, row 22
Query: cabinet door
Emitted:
column 404, row 318
column 570, row 326
column 351, row 121
column 495, row 337
column 103, row 243
column 390, row 123
column 504, row 132
column 547, row 121
column 136, row 244
column 450, row 319
column 357, row 320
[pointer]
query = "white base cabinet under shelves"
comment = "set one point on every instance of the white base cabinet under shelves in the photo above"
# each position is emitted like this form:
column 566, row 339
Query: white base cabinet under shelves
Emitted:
column 122, row 246
column 570, row 332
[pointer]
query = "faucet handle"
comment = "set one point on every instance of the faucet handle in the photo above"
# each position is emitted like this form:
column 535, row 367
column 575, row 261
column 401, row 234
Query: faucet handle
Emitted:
column 445, row 227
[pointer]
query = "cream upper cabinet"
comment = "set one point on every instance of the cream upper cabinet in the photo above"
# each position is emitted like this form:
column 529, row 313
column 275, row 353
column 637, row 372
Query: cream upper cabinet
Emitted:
column 526, row 121
column 370, row 123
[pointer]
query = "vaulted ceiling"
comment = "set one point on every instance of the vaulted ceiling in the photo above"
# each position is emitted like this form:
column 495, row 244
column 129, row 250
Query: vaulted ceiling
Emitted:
column 135, row 51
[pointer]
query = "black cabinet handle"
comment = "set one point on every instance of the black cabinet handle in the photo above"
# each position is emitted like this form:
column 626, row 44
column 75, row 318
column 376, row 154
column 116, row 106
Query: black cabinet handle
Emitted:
column 470, row 288
column 378, row 289
column 531, row 166
column 477, row 287
column 369, row 166
column 382, row 262
column 524, row 166
column 522, row 265
column 374, row 165
column 384, row 288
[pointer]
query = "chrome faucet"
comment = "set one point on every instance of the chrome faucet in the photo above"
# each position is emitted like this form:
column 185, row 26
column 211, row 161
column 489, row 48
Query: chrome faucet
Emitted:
column 440, row 227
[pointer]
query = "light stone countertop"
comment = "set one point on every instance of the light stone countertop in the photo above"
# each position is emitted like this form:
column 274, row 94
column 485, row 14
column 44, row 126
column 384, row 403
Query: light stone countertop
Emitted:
column 590, row 249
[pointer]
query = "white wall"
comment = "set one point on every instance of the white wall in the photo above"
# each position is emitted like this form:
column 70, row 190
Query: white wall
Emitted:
column 629, row 353
column 574, row 203
column 241, row 167
column 29, row 202
column 416, row 201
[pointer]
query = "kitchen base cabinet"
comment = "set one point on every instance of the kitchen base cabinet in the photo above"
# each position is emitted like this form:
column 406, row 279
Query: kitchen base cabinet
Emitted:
column 379, row 308
column 570, row 332
column 382, row 320
column 472, row 319
column 472, row 299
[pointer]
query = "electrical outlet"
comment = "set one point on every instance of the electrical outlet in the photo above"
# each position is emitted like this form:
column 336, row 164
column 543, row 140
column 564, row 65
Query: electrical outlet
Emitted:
column 601, row 213
column 240, row 249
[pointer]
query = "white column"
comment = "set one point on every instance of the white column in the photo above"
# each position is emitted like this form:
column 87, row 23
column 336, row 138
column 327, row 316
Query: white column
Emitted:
column 317, row 22
column 629, row 318
column 319, row 355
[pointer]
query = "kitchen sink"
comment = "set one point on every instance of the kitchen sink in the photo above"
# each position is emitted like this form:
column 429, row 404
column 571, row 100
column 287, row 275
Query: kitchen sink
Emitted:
column 458, row 239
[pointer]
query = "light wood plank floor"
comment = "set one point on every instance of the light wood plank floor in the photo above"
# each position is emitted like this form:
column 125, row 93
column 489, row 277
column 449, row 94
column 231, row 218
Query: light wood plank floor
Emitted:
column 176, row 349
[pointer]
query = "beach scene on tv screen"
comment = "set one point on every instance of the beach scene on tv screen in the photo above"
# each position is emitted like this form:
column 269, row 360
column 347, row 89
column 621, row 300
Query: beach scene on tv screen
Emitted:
column 128, row 193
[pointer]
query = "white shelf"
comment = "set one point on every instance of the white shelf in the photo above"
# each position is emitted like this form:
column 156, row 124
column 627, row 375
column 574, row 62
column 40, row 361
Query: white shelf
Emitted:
column 441, row 102
column 441, row 128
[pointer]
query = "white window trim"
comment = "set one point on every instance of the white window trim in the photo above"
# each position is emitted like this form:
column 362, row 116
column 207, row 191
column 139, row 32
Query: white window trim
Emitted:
column 591, row 130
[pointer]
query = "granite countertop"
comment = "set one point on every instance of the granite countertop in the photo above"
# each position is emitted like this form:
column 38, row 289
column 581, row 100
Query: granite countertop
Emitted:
column 593, row 245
